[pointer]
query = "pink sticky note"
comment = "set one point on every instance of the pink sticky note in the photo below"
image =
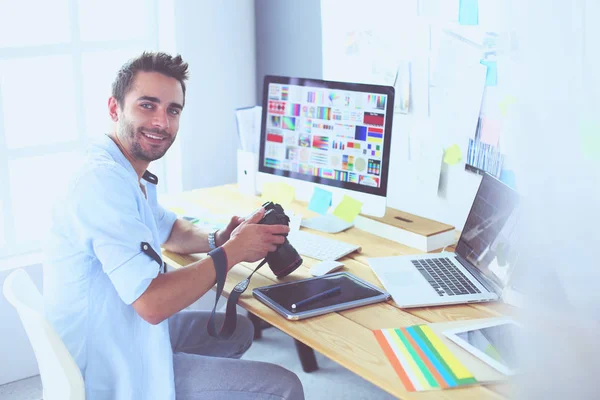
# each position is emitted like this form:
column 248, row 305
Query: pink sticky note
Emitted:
column 490, row 131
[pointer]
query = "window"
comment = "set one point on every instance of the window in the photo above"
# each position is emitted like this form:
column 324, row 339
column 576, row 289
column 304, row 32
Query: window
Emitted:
column 56, row 67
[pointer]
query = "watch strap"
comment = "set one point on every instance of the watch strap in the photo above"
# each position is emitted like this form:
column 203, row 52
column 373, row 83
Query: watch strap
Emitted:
column 212, row 242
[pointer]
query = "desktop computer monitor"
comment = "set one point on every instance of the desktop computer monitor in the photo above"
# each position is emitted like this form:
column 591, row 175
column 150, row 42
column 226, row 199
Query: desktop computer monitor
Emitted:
column 334, row 135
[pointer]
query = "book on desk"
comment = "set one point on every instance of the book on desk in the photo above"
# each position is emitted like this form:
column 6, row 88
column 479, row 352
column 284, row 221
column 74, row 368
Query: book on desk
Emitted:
column 408, row 229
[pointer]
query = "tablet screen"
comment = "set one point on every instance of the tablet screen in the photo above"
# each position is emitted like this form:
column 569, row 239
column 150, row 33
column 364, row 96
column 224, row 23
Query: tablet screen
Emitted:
column 497, row 342
column 292, row 293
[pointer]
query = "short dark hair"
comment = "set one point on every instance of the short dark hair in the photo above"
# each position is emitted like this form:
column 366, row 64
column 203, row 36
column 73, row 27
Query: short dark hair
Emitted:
column 163, row 63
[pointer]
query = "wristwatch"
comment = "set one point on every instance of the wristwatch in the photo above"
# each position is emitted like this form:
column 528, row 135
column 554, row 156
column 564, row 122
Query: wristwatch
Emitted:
column 212, row 244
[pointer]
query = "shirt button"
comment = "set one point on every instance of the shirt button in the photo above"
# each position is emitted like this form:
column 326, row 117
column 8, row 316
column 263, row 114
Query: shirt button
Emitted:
column 145, row 247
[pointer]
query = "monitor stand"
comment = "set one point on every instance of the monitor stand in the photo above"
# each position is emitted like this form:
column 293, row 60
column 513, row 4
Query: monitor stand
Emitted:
column 326, row 223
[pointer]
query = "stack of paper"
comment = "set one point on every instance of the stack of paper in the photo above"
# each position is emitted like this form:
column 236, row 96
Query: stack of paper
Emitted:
column 422, row 360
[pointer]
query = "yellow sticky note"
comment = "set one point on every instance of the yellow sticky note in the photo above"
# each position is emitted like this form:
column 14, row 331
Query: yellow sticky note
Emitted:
column 348, row 209
column 452, row 155
column 177, row 210
column 459, row 370
column 278, row 192
column 505, row 104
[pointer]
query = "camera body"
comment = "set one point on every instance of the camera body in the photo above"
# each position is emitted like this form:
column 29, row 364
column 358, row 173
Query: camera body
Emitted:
column 285, row 259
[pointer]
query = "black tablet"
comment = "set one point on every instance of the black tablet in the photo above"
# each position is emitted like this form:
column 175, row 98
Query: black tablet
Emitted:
column 322, row 294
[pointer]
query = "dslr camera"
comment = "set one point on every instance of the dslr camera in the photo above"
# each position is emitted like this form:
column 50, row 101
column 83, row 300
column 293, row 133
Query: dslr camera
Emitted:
column 285, row 259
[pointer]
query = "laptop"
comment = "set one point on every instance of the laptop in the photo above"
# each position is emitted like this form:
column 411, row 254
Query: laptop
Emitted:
column 478, row 270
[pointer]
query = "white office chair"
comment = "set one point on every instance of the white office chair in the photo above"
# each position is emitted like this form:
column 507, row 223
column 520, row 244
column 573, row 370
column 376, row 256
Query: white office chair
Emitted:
column 61, row 378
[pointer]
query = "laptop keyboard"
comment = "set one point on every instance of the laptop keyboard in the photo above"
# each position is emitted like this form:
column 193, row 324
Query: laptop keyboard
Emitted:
column 444, row 277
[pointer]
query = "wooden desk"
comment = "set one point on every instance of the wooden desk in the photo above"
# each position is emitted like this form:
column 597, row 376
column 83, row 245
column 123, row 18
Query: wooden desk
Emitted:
column 346, row 337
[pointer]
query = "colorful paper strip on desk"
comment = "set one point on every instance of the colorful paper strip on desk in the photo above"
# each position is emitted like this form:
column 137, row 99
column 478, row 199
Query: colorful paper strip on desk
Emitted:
column 421, row 360
column 278, row 192
column 320, row 201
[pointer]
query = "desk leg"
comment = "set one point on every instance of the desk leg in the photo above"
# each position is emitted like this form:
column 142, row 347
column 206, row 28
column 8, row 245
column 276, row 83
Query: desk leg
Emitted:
column 307, row 357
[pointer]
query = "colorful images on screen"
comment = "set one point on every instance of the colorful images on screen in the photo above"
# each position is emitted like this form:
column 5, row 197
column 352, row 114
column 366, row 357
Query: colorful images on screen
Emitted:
column 374, row 167
column 288, row 123
column 332, row 134
column 320, row 142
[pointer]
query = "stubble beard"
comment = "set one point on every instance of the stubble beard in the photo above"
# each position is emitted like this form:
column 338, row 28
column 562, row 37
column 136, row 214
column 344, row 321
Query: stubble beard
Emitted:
column 133, row 136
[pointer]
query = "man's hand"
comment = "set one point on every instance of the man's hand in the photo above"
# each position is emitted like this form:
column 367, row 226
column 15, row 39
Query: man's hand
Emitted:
column 251, row 241
column 223, row 235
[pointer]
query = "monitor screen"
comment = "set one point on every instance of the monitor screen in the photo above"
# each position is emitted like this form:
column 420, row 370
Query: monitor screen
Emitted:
column 332, row 133
column 488, row 239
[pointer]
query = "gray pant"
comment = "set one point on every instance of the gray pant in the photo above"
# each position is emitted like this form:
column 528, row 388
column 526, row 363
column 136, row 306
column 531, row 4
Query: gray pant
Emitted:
column 206, row 368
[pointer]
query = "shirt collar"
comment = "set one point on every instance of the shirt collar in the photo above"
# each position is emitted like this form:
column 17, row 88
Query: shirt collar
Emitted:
column 115, row 152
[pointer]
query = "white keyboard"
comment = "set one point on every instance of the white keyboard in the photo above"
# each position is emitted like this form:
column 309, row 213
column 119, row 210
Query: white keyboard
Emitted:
column 319, row 247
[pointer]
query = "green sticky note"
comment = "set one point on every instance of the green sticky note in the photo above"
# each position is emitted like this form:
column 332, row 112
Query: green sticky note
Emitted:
column 278, row 192
column 589, row 135
column 452, row 155
column 348, row 209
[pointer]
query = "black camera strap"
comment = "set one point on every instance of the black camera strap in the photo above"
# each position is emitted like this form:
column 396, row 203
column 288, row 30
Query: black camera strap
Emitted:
column 230, row 323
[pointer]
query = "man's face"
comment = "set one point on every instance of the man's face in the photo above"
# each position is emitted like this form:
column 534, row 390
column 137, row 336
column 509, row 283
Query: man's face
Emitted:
column 149, row 119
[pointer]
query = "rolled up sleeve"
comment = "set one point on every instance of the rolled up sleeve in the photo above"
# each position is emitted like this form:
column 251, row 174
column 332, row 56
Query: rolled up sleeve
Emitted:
column 108, row 216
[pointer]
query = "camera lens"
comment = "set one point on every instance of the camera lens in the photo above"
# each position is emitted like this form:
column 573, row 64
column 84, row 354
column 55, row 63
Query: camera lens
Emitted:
column 285, row 259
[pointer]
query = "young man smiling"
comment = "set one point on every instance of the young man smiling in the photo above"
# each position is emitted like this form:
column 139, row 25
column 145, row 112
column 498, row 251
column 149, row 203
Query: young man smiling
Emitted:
column 105, row 292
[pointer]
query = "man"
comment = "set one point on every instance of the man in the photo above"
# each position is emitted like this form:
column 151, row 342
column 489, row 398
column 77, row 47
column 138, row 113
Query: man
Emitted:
column 104, row 289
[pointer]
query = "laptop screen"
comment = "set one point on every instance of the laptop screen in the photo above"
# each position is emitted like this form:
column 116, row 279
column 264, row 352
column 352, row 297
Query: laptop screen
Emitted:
column 488, row 240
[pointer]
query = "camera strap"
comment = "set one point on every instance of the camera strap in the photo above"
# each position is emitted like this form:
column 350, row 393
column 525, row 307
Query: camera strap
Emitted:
column 230, row 323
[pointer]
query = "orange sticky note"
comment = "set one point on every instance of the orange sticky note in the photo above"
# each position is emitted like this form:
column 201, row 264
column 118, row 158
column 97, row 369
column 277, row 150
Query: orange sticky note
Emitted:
column 348, row 209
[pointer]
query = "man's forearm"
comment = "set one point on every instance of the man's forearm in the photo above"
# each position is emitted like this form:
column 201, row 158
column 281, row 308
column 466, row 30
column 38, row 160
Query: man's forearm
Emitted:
column 185, row 238
column 172, row 292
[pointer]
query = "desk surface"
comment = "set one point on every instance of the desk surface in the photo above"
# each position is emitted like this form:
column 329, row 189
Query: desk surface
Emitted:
column 346, row 336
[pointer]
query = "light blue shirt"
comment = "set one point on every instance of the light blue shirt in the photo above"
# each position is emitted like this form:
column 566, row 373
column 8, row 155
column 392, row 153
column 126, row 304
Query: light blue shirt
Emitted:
column 95, row 269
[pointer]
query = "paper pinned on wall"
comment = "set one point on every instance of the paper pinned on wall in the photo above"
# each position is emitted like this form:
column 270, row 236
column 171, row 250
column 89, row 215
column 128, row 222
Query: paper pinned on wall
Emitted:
column 456, row 103
column 468, row 12
column 425, row 156
column 490, row 131
column 491, row 76
column 402, row 86
column 248, row 125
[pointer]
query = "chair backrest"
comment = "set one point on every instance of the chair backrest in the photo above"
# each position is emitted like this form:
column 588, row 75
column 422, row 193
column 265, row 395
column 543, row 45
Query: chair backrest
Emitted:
column 61, row 377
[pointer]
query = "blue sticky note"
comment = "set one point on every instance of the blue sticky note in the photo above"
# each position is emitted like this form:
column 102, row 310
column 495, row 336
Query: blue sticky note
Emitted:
column 491, row 77
column 468, row 12
column 507, row 176
column 320, row 201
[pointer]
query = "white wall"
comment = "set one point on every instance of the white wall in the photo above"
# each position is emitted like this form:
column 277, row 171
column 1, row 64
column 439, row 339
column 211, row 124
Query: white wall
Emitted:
column 217, row 39
column 288, row 40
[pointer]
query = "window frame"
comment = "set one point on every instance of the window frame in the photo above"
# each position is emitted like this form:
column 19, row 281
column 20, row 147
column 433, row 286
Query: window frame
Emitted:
column 75, row 48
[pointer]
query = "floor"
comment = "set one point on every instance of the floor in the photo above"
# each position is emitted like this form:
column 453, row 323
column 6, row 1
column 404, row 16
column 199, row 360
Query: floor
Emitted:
column 330, row 382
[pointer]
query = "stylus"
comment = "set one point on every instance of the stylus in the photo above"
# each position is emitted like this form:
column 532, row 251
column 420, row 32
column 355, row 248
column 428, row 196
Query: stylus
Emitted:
column 328, row 293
